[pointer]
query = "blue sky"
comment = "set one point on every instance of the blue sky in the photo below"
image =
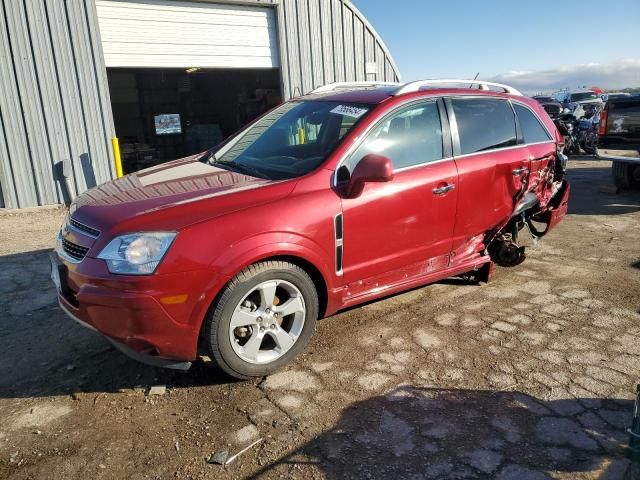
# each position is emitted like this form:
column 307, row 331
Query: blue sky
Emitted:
column 531, row 43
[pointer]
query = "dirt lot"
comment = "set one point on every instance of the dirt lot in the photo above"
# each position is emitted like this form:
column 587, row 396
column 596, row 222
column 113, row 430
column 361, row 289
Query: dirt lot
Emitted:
column 529, row 377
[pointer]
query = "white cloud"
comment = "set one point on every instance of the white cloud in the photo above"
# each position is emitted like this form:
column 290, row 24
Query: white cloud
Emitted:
column 614, row 75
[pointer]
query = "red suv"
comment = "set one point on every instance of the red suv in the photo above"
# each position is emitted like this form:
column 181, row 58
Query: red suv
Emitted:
column 351, row 193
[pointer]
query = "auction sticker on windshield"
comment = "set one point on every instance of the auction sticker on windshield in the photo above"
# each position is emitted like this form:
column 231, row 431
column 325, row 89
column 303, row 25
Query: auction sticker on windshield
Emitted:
column 349, row 111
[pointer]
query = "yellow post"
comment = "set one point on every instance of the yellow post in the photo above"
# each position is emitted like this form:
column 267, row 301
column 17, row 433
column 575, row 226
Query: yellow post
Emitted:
column 116, row 156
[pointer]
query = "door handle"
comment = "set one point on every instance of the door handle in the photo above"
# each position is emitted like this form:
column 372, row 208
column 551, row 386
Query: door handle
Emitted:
column 519, row 171
column 444, row 189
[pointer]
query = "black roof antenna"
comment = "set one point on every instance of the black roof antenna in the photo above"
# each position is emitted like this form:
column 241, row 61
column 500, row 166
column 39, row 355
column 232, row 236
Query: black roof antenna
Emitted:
column 475, row 78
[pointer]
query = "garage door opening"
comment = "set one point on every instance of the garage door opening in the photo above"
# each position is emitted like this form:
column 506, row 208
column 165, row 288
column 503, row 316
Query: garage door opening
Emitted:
column 164, row 114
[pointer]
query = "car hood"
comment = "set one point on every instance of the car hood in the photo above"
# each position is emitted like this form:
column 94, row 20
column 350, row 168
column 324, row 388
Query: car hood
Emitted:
column 171, row 196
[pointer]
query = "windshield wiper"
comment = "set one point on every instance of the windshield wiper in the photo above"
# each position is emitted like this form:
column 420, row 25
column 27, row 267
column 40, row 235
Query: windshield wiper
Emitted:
column 207, row 157
column 247, row 170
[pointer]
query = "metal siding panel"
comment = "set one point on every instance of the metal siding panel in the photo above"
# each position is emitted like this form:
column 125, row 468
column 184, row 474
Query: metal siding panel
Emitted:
column 327, row 40
column 389, row 71
column 7, row 188
column 9, row 109
column 293, row 40
column 70, row 97
column 56, row 134
column 315, row 35
column 194, row 34
column 338, row 40
column 347, row 37
column 94, row 164
column 380, row 61
column 369, row 53
column 305, row 46
column 283, row 48
column 358, row 45
column 28, row 89
column 293, row 47
column 15, row 131
column 86, row 92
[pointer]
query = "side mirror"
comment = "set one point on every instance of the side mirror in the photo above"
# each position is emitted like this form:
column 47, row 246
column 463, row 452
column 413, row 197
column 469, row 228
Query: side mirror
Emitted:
column 372, row 168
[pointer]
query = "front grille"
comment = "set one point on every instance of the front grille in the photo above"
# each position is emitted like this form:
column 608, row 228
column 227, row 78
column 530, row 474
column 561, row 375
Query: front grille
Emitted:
column 84, row 228
column 76, row 252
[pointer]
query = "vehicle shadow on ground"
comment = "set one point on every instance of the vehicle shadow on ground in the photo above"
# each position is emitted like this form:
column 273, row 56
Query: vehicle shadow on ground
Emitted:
column 424, row 433
column 593, row 191
column 44, row 353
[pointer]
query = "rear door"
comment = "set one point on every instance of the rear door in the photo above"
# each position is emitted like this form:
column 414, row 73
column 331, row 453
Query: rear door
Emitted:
column 540, row 145
column 492, row 166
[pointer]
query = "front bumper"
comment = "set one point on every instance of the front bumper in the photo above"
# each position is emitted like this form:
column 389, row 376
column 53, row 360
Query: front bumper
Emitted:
column 627, row 156
column 130, row 352
column 154, row 319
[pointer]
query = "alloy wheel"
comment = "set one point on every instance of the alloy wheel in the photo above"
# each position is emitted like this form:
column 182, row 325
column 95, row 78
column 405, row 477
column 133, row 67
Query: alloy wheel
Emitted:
column 267, row 322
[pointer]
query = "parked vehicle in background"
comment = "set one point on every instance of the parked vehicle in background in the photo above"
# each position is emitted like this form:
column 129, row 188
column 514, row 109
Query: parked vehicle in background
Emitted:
column 330, row 200
column 588, row 125
column 577, row 99
column 614, row 95
column 550, row 105
column 619, row 140
column 567, row 125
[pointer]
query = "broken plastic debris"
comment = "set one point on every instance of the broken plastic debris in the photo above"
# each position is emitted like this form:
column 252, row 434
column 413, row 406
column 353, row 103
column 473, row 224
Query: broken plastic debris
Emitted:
column 218, row 458
column 157, row 390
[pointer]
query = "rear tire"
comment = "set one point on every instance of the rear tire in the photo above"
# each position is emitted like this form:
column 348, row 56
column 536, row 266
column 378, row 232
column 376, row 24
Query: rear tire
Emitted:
column 590, row 142
column 626, row 175
column 255, row 350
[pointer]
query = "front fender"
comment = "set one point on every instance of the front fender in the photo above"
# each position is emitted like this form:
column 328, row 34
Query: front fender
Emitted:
column 253, row 249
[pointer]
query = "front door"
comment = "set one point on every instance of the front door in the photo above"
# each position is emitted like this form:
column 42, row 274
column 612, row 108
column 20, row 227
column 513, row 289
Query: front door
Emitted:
column 401, row 229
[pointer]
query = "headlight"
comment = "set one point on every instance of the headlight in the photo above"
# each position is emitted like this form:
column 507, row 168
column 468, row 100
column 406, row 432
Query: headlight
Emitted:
column 137, row 253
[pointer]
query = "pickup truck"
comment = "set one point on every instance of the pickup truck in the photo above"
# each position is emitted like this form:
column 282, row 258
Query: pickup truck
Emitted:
column 619, row 140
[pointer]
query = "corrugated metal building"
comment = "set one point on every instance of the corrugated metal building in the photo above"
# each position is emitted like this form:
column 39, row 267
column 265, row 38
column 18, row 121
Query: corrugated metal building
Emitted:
column 74, row 73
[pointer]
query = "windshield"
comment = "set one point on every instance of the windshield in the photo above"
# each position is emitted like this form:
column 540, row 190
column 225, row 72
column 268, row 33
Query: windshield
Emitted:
column 290, row 141
column 543, row 99
column 579, row 97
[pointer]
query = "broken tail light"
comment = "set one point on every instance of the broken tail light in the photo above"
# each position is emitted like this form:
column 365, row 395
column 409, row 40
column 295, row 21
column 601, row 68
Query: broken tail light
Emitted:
column 602, row 126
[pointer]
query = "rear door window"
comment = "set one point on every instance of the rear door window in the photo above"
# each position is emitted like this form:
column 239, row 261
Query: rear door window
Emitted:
column 484, row 124
column 532, row 129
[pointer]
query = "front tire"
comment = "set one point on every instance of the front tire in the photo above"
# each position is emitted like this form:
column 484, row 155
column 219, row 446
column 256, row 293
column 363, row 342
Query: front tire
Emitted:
column 264, row 317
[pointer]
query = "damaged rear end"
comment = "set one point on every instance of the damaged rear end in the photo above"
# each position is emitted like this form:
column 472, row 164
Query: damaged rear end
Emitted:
column 538, row 208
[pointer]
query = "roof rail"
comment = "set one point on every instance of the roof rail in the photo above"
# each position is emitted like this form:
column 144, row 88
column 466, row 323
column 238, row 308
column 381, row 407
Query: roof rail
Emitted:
column 417, row 86
column 332, row 87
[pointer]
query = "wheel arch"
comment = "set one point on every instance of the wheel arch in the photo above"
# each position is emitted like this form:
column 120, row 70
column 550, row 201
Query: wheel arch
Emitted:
column 302, row 261
column 317, row 277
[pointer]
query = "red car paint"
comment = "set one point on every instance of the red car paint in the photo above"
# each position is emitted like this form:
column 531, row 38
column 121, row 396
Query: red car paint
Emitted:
column 397, row 234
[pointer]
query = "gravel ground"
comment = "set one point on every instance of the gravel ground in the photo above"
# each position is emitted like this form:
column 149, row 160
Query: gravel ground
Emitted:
column 529, row 377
